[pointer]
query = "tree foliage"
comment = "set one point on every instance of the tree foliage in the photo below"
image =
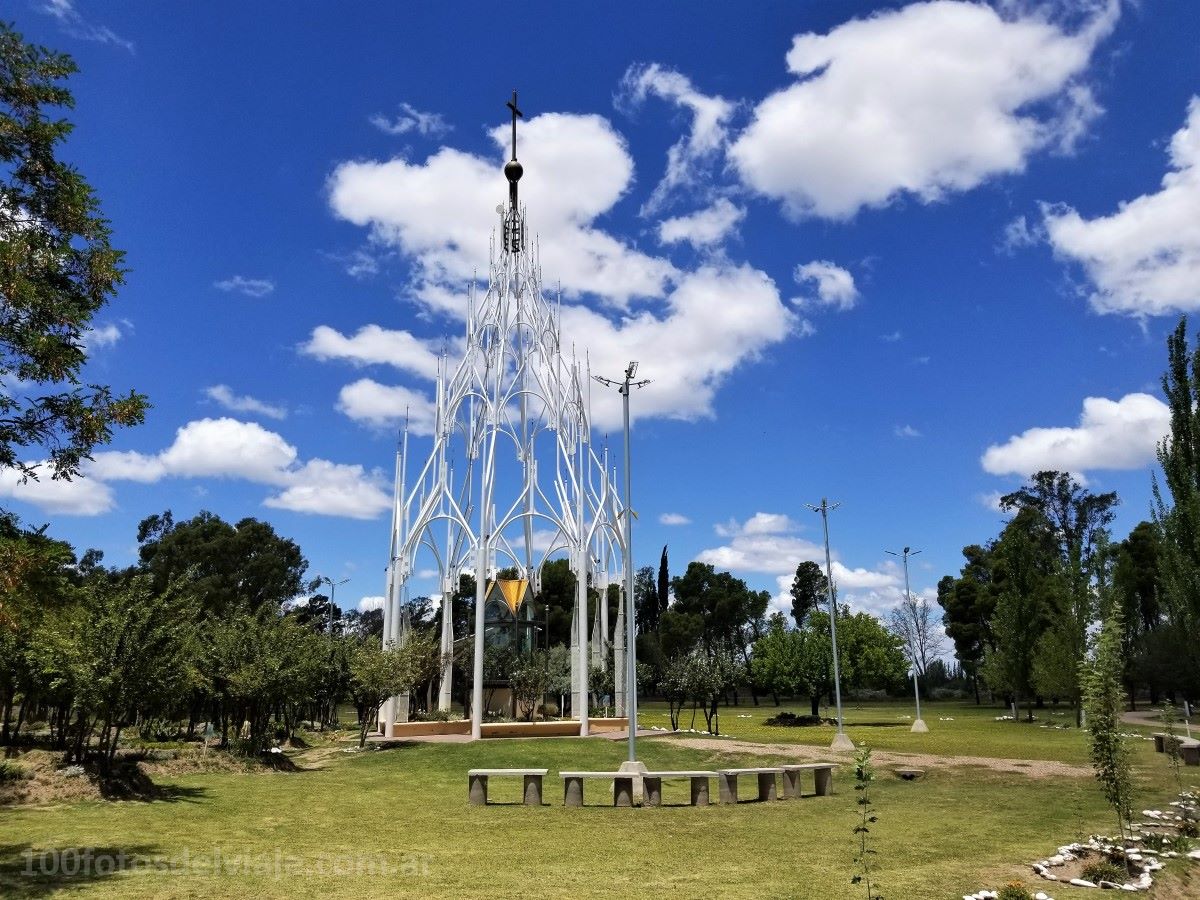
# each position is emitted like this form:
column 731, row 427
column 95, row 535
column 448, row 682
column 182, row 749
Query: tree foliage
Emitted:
column 57, row 271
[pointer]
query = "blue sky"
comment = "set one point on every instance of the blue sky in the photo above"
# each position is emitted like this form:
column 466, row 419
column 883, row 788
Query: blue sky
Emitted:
column 898, row 255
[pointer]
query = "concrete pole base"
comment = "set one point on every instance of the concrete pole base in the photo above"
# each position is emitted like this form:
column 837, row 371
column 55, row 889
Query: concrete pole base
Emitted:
column 842, row 742
column 919, row 727
column 638, row 768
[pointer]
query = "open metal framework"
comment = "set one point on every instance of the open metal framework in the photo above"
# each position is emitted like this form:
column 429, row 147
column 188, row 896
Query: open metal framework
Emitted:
column 513, row 478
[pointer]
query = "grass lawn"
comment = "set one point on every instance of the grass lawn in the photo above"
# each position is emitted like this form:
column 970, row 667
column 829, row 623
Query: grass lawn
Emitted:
column 302, row 834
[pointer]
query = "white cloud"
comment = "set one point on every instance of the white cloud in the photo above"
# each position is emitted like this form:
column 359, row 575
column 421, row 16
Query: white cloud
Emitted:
column 704, row 228
column 77, row 26
column 1143, row 259
column 366, row 604
column 223, row 395
column 891, row 338
column 704, row 140
column 81, row 496
column 228, row 448
column 906, row 431
column 1018, row 234
column 441, row 211
column 926, row 100
column 990, row 500
column 251, row 287
column 412, row 119
column 674, row 519
column 835, row 286
column 717, row 319
column 333, row 489
column 380, row 405
column 101, row 336
column 372, row 344
column 1120, row 434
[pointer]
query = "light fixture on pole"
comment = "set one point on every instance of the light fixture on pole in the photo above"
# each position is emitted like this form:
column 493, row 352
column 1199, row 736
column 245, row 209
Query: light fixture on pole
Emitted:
column 333, row 586
column 919, row 725
column 623, row 387
column 840, row 740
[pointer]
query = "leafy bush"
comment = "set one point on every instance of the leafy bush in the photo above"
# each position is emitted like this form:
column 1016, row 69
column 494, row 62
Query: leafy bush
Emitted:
column 1104, row 870
column 791, row 720
column 431, row 715
column 1188, row 828
column 1014, row 890
column 11, row 771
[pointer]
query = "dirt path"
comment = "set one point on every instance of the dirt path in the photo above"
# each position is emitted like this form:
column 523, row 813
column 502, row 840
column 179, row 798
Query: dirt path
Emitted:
column 1032, row 768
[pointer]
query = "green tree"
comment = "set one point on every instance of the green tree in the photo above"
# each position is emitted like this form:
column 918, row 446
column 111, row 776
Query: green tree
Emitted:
column 809, row 590
column 57, row 271
column 1178, row 516
column 1104, row 700
column 969, row 602
column 664, row 583
column 246, row 566
column 375, row 675
column 645, row 599
column 1078, row 526
column 1024, row 568
column 1135, row 578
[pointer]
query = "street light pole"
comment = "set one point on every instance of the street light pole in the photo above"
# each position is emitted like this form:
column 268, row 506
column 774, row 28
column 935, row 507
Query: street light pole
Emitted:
column 840, row 740
column 919, row 725
column 333, row 586
column 332, row 593
column 624, row 387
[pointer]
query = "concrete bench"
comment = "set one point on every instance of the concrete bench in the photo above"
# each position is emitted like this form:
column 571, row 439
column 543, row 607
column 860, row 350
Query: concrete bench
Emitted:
column 622, row 786
column 1190, row 753
column 728, row 779
column 477, row 784
column 822, row 776
column 653, row 786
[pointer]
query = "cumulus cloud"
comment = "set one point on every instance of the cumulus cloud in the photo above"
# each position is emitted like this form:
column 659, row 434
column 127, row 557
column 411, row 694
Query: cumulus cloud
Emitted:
column 1143, row 259
column 219, row 448
column 367, row 604
column 703, row 141
column 412, row 119
column 441, row 212
column 382, row 406
column 717, row 318
column 250, row 287
column 834, row 285
column 101, row 336
column 674, row 519
column 81, row 496
column 372, row 344
column 926, row 100
column 1112, row 434
column 224, row 396
column 906, row 431
column 704, row 228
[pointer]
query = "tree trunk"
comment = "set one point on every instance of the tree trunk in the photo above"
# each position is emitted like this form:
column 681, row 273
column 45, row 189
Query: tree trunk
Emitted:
column 815, row 703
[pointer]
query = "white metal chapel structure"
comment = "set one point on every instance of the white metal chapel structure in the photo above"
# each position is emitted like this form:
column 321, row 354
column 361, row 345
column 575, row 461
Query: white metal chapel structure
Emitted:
column 513, row 478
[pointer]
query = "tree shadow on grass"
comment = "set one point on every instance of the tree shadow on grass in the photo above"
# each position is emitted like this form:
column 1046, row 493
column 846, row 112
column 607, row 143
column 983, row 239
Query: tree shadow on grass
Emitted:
column 28, row 872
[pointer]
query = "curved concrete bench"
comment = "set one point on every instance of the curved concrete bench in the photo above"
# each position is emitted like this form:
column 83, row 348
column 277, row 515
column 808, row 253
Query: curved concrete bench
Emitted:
column 622, row 786
column 477, row 784
column 822, row 779
column 653, row 786
column 766, row 782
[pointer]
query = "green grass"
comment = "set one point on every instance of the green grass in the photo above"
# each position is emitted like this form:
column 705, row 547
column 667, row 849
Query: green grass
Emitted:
column 954, row 831
column 955, row 729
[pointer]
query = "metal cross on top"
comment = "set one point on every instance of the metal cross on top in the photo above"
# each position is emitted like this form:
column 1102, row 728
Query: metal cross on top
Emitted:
column 516, row 114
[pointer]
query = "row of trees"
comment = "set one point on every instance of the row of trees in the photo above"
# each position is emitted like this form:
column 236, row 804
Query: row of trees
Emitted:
column 1023, row 609
column 200, row 631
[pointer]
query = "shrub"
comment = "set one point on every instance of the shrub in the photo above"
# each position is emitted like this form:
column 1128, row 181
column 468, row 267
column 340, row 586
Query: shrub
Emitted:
column 431, row 715
column 1188, row 828
column 11, row 771
column 791, row 720
column 1104, row 870
column 1014, row 890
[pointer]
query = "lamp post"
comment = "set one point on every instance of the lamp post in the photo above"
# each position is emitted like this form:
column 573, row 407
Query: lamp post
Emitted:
column 919, row 725
column 624, row 387
column 840, row 740
column 333, row 586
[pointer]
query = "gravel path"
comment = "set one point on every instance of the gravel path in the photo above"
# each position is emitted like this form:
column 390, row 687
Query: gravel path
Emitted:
column 1035, row 768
